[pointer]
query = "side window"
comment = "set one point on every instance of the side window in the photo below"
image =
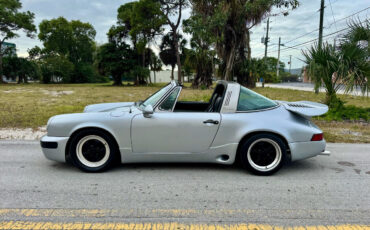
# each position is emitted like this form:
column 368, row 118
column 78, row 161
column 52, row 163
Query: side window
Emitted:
column 250, row 100
column 170, row 101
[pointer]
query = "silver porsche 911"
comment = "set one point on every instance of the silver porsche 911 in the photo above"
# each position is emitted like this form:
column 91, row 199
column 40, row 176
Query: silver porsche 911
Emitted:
column 237, row 124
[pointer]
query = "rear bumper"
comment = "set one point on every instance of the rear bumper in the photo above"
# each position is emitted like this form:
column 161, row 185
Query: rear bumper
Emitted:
column 54, row 148
column 303, row 150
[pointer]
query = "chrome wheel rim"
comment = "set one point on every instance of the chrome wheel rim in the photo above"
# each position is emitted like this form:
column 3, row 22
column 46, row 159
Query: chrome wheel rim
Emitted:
column 264, row 154
column 93, row 151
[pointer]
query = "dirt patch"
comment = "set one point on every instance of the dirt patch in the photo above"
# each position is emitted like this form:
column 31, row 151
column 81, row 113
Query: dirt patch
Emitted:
column 350, row 132
column 57, row 93
column 22, row 134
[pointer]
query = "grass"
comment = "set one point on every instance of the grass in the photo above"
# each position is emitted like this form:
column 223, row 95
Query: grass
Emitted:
column 31, row 105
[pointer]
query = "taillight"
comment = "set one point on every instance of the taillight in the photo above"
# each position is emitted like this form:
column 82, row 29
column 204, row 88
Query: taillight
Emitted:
column 317, row 137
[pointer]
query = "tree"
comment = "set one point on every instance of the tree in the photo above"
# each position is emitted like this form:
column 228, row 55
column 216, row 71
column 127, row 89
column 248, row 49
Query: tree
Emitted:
column 115, row 60
column 11, row 21
column 188, row 66
column 355, row 55
column 201, row 57
column 73, row 40
column 21, row 68
column 231, row 21
column 146, row 21
column 35, row 53
column 138, row 22
column 155, row 65
column 168, row 50
column 349, row 65
column 271, row 63
column 322, row 65
column 170, row 9
column 56, row 69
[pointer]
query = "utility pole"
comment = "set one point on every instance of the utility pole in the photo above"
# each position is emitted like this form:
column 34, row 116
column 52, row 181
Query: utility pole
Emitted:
column 278, row 64
column 320, row 30
column 290, row 63
column 267, row 36
column 321, row 22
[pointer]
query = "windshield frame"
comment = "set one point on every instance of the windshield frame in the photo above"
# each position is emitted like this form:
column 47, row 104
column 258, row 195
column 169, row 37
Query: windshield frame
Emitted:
column 158, row 108
column 171, row 84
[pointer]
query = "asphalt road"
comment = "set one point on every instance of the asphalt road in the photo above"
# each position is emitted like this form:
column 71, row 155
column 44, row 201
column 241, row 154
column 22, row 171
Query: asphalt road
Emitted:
column 325, row 190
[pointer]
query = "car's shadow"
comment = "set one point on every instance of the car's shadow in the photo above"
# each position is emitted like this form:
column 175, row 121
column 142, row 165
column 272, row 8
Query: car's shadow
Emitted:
column 304, row 166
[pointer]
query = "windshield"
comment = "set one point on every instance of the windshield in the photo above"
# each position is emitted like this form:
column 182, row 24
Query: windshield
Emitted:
column 249, row 100
column 152, row 100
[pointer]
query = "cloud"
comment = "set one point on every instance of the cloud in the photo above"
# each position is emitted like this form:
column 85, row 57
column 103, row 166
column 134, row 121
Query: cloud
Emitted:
column 102, row 15
column 305, row 21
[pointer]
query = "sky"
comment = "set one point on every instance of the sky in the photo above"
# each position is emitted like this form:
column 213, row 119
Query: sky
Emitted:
column 300, row 26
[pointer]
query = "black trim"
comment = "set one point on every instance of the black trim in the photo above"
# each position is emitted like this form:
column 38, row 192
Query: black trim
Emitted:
column 49, row 145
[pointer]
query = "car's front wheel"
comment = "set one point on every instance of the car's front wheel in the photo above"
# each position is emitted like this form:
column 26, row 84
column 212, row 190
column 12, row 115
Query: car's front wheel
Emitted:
column 263, row 154
column 92, row 150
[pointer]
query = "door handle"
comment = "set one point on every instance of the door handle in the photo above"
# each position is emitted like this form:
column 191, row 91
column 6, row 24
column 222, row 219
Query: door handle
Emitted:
column 211, row 122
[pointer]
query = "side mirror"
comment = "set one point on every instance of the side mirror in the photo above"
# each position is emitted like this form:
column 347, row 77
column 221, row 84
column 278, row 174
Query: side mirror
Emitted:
column 148, row 111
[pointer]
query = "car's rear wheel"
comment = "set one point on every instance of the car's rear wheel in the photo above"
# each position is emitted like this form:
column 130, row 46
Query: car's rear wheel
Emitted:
column 263, row 154
column 92, row 150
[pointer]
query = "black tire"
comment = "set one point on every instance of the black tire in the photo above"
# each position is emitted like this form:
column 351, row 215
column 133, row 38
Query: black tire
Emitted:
column 260, row 154
column 87, row 157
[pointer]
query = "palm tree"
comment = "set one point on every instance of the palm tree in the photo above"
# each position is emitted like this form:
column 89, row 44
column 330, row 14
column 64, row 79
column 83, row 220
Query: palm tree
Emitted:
column 348, row 65
column 168, row 50
column 322, row 66
column 355, row 56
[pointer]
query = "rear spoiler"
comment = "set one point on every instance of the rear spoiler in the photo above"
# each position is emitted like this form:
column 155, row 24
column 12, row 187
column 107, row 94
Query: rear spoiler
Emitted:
column 305, row 108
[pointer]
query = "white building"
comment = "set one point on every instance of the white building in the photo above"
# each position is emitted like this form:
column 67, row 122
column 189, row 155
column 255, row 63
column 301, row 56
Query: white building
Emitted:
column 163, row 76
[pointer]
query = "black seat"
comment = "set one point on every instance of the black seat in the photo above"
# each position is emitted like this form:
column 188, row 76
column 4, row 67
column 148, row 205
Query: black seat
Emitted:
column 217, row 105
column 218, row 93
column 212, row 102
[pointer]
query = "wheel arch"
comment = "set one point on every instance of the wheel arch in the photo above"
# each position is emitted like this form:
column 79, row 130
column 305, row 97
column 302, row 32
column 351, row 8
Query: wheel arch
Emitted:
column 75, row 132
column 251, row 134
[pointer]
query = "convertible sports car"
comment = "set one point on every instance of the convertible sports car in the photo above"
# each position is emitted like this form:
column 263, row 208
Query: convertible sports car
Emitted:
column 236, row 124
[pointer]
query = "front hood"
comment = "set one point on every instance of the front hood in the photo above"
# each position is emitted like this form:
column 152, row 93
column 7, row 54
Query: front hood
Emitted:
column 305, row 108
column 106, row 107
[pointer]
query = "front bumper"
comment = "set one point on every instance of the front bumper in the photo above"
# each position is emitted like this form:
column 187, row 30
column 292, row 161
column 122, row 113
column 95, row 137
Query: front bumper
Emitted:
column 54, row 148
column 303, row 150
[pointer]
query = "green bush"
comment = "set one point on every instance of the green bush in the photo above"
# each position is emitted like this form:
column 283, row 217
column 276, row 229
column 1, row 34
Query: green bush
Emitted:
column 350, row 112
column 270, row 77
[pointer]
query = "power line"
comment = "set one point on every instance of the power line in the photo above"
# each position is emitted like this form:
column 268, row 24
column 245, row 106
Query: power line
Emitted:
column 310, row 41
column 313, row 40
column 348, row 16
column 332, row 13
column 327, row 26
column 327, row 35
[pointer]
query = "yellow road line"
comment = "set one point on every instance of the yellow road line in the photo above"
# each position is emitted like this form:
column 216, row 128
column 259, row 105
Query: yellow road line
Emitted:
column 163, row 226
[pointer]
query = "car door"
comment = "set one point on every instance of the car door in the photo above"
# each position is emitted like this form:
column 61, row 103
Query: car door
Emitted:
column 174, row 132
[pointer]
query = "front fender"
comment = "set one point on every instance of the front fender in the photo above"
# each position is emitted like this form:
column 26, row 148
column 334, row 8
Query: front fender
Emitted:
column 118, row 127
